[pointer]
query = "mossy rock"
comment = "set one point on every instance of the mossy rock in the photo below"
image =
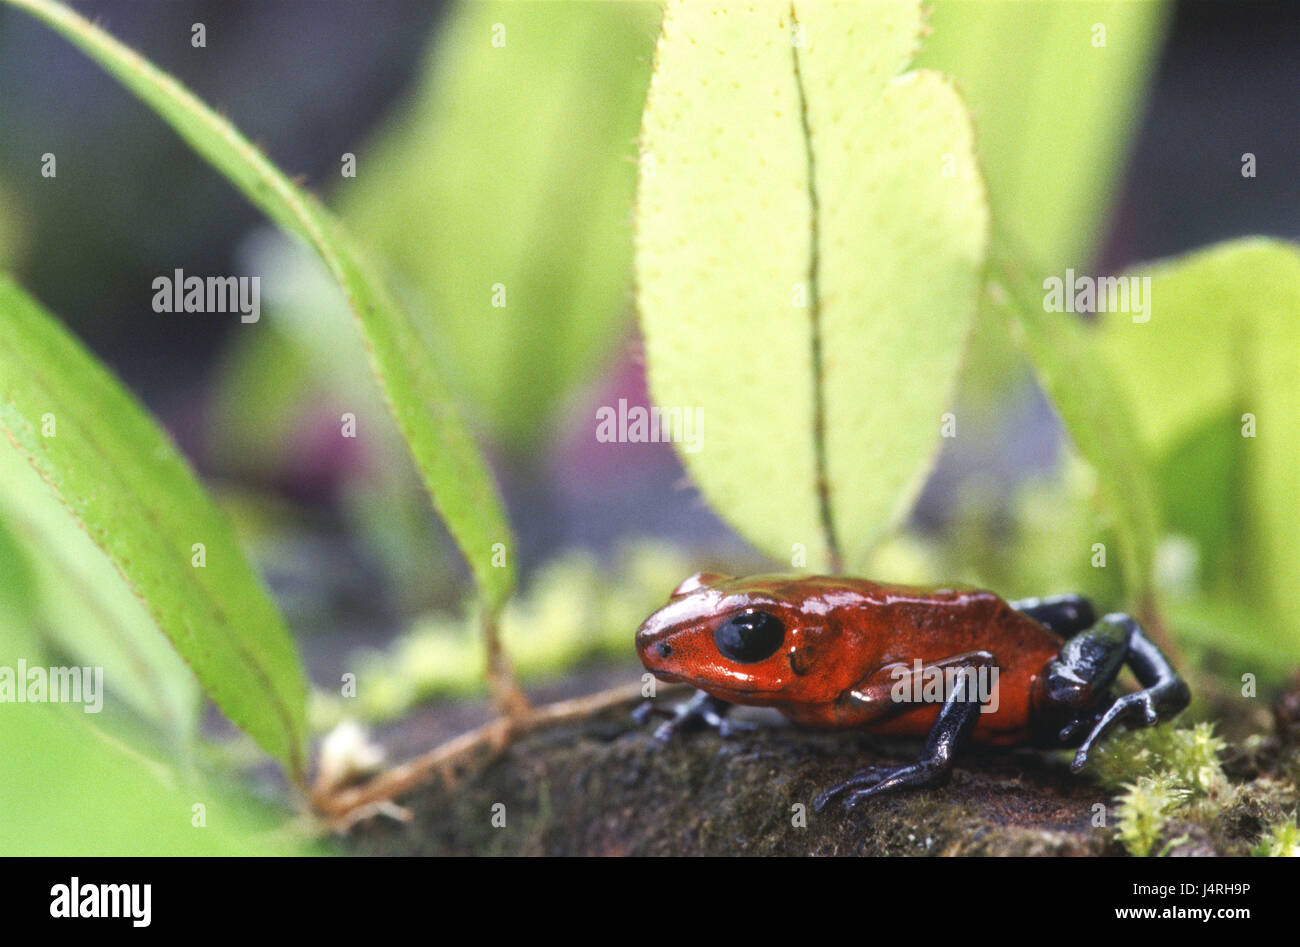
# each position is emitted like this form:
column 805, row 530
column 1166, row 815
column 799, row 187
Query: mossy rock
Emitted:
column 604, row 787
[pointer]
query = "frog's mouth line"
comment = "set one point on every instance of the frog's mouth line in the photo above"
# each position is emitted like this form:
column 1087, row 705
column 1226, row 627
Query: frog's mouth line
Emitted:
column 750, row 696
column 734, row 694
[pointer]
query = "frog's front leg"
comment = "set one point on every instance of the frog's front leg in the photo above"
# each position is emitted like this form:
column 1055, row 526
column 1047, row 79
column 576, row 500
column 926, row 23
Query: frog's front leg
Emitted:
column 702, row 710
column 951, row 731
column 1078, row 682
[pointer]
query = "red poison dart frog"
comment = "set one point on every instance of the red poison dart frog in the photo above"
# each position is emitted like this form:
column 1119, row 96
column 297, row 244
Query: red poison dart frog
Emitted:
column 951, row 665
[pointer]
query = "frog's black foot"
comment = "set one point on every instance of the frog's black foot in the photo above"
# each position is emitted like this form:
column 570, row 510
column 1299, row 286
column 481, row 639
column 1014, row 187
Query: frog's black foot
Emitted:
column 702, row 710
column 1079, row 680
column 878, row 780
column 1141, row 709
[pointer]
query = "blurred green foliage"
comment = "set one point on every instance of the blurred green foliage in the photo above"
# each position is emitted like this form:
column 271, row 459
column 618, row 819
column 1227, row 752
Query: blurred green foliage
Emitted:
column 525, row 143
column 1054, row 113
column 523, row 128
column 1042, row 544
column 509, row 174
column 1212, row 381
column 448, row 459
column 1052, row 143
column 278, row 401
column 76, row 788
column 1080, row 385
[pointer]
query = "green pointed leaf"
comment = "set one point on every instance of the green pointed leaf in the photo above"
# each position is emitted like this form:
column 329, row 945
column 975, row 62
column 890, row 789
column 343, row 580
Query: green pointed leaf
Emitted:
column 524, row 133
column 83, row 608
column 810, row 229
column 452, row 467
column 1223, row 343
column 129, row 488
column 1200, row 485
column 1195, row 355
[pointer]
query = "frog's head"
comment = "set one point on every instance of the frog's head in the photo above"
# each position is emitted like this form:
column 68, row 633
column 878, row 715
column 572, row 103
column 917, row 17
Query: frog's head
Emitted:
column 757, row 640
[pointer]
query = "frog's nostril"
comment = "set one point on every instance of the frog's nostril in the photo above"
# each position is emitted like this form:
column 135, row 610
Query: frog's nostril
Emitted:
column 664, row 649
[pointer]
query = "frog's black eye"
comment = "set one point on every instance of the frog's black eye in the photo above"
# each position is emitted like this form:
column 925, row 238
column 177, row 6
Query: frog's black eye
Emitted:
column 750, row 636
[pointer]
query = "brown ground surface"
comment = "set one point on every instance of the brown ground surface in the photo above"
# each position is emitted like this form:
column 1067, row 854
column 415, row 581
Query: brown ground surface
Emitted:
column 604, row 787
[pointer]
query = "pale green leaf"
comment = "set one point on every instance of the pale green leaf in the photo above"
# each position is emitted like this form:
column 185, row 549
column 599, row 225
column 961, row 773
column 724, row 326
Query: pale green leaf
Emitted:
column 787, row 162
column 1273, row 397
column 1234, row 637
column 453, row 470
column 132, row 492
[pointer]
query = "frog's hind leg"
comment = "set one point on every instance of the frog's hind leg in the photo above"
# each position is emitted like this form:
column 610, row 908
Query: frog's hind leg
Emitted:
column 1063, row 615
column 1078, row 682
column 951, row 730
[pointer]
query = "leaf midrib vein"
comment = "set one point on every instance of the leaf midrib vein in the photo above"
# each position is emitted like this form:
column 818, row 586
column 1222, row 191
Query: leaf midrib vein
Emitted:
column 814, row 308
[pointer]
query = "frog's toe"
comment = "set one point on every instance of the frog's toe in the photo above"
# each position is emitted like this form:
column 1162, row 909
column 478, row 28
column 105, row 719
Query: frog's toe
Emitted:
column 730, row 728
column 642, row 714
column 858, row 796
column 1136, row 709
column 878, row 780
column 1075, row 727
column 678, row 722
column 666, row 731
column 860, row 780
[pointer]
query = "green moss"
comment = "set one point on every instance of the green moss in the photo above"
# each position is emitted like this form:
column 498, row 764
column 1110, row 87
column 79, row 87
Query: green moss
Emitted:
column 1164, row 771
column 1281, row 840
column 1188, row 757
column 1145, row 808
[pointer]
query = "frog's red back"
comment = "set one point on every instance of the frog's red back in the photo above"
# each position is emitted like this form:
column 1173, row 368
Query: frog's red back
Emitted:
column 851, row 649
